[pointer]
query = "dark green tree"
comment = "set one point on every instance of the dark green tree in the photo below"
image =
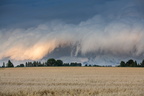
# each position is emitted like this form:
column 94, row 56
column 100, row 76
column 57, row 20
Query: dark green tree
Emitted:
column 10, row 64
column 135, row 64
column 51, row 62
column 142, row 64
column 59, row 62
column 122, row 64
column 35, row 63
column 21, row 65
column 86, row 65
column 66, row 64
column 75, row 64
column 130, row 63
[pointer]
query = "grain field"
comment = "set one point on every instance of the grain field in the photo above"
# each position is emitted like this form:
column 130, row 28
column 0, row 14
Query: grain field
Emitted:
column 72, row 81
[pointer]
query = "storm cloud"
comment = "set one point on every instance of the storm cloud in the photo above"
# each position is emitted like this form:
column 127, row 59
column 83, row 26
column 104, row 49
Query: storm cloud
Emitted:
column 113, row 30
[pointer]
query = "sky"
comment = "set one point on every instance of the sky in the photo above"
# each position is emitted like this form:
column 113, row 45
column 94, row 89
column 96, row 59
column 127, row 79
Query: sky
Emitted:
column 101, row 32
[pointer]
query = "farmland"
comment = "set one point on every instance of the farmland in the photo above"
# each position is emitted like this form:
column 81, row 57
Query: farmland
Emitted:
column 72, row 81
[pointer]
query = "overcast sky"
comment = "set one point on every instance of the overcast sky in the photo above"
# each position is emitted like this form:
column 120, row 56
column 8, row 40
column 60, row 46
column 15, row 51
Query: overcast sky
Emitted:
column 32, row 12
column 98, row 31
column 26, row 13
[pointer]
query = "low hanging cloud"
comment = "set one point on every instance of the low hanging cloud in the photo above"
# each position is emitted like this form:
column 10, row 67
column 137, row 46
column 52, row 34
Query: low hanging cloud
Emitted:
column 116, row 37
column 117, row 34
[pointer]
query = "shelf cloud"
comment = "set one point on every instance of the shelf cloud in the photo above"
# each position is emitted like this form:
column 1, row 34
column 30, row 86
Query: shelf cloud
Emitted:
column 115, row 31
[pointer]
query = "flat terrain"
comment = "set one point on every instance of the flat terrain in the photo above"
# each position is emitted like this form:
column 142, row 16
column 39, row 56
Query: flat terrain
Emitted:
column 72, row 81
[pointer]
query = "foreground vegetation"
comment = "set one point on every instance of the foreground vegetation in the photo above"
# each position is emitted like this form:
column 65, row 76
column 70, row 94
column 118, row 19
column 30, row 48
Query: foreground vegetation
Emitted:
column 49, row 62
column 131, row 63
column 71, row 81
column 54, row 62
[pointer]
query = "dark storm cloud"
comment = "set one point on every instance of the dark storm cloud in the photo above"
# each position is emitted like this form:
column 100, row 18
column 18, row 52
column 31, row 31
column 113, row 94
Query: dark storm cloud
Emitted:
column 33, row 12
column 98, row 31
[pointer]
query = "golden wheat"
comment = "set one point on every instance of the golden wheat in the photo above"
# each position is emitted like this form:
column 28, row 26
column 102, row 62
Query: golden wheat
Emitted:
column 72, row 81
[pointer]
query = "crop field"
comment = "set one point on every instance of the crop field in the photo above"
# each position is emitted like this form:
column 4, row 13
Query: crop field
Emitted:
column 72, row 81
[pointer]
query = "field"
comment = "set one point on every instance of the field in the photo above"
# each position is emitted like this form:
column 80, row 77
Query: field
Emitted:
column 72, row 81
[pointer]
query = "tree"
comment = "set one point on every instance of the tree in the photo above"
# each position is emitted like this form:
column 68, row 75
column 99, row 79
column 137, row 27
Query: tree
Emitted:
column 59, row 62
column 130, row 63
column 51, row 62
column 142, row 64
column 21, row 65
column 66, row 64
column 86, row 65
column 135, row 64
column 10, row 64
column 26, row 64
column 75, row 64
column 3, row 64
column 122, row 64
column 29, row 64
column 35, row 63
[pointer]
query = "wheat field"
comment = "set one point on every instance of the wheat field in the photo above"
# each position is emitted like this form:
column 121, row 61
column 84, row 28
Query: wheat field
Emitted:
column 72, row 81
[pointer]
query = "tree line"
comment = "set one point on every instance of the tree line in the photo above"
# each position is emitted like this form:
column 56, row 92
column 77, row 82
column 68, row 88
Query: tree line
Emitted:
column 54, row 62
column 49, row 62
column 9, row 64
column 131, row 63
